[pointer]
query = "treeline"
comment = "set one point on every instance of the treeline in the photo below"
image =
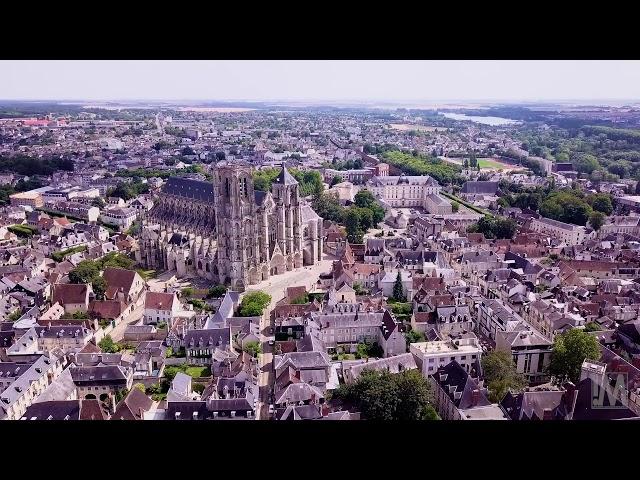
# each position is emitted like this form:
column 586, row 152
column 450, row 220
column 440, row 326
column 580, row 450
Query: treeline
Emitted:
column 572, row 206
column 568, row 205
column 494, row 227
column 128, row 191
column 356, row 164
column 164, row 174
column 310, row 181
column 612, row 133
column 602, row 152
column 412, row 164
column 26, row 165
column 365, row 213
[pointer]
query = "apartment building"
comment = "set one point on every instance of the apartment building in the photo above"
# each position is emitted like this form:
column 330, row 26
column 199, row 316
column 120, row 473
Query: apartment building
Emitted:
column 531, row 351
column 121, row 217
column 29, row 381
column 466, row 350
column 566, row 232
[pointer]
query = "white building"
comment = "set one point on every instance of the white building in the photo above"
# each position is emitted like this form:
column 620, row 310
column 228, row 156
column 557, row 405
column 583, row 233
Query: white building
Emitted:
column 566, row 232
column 121, row 217
column 433, row 355
column 403, row 190
column 160, row 307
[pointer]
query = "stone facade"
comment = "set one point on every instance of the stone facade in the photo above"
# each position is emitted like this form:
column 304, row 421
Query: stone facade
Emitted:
column 228, row 232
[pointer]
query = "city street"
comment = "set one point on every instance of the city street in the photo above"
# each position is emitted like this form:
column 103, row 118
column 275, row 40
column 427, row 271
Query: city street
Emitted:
column 276, row 287
column 132, row 318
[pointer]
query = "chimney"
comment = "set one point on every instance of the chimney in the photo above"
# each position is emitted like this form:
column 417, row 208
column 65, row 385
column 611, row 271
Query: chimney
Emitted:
column 475, row 397
column 569, row 396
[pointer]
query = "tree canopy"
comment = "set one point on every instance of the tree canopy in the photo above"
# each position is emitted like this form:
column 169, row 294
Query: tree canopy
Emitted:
column 495, row 227
column 410, row 164
column 501, row 375
column 570, row 349
column 380, row 395
column 254, row 303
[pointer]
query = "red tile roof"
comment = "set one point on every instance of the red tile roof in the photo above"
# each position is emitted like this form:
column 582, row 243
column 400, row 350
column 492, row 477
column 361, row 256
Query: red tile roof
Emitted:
column 66, row 293
column 159, row 300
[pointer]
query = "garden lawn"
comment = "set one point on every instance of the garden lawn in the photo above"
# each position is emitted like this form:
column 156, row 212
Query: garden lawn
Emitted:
column 488, row 163
column 196, row 372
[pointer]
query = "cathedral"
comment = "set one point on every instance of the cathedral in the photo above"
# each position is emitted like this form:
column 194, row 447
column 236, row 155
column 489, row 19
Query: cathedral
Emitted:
column 228, row 232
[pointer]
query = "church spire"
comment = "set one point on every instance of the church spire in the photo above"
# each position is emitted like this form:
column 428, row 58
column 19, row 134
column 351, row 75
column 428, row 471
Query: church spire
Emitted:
column 285, row 178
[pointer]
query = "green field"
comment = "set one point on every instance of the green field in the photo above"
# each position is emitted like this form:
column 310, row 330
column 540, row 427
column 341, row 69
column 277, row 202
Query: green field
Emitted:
column 488, row 163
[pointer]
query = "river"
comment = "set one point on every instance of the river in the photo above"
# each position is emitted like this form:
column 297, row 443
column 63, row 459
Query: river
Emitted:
column 493, row 121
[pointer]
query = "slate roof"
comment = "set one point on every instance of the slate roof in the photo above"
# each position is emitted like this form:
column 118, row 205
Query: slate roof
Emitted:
column 303, row 360
column 285, row 178
column 298, row 392
column 53, row 410
column 302, row 412
column 207, row 338
column 459, row 386
column 532, row 405
column 186, row 410
column 133, row 406
column 584, row 410
column 189, row 188
column 480, row 187
column 98, row 375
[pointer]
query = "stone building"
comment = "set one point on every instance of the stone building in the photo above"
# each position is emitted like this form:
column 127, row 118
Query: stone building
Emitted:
column 228, row 232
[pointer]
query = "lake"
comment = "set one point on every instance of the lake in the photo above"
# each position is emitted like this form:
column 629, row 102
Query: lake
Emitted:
column 493, row 121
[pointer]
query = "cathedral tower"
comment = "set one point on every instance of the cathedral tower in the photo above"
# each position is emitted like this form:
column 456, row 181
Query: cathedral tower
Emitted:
column 235, row 222
column 286, row 195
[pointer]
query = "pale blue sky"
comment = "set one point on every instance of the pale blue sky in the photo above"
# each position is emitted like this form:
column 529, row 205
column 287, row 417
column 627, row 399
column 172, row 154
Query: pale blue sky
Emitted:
column 320, row 80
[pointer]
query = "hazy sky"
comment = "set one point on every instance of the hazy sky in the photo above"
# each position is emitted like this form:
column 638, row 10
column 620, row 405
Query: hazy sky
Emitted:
column 320, row 80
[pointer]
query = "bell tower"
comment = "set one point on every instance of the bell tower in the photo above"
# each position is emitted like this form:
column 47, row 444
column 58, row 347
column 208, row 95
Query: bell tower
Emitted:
column 234, row 212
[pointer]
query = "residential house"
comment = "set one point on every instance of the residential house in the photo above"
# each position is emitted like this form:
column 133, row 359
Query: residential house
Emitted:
column 458, row 396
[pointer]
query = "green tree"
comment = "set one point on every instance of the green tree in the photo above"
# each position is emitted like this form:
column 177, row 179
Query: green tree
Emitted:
column 99, row 286
column 140, row 387
column 107, row 345
column 592, row 327
column 414, row 336
column 187, row 292
column 602, row 203
column 98, row 202
column 84, row 272
column 359, row 289
column 198, row 387
column 586, row 164
column 352, row 224
column 335, row 180
column 570, row 349
column 596, row 220
column 254, row 303
column 455, row 206
column 380, row 395
column 328, row 207
column 252, row 348
column 217, row 291
column 495, row 227
column 501, row 374
column 398, row 289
